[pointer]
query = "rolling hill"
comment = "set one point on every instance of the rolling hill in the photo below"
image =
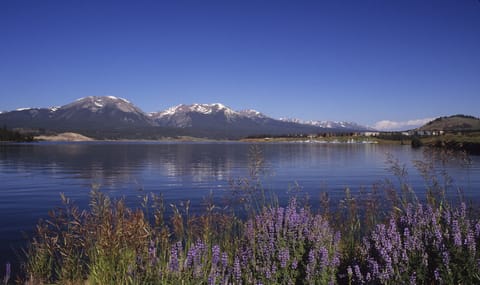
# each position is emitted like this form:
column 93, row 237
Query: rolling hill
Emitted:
column 453, row 123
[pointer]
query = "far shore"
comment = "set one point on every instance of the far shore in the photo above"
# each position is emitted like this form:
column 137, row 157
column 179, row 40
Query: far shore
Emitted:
column 469, row 143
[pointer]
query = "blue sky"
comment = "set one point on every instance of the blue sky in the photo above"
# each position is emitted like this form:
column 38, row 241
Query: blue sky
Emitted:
column 356, row 60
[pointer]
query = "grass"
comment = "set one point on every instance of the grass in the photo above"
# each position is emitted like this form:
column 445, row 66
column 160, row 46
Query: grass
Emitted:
column 383, row 235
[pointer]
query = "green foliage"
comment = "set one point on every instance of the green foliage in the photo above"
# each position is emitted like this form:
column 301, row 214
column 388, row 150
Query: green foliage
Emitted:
column 9, row 135
column 416, row 142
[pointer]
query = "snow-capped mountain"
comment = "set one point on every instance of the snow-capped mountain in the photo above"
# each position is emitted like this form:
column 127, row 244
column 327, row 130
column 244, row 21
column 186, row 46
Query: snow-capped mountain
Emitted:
column 338, row 125
column 86, row 113
column 219, row 118
column 106, row 111
column 195, row 115
column 113, row 117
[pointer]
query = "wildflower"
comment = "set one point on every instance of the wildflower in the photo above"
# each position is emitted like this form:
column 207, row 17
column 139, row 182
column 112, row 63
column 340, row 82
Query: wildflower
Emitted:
column 311, row 264
column 215, row 254
column 323, row 257
column 211, row 280
column 173, row 264
column 237, row 270
column 477, row 229
column 445, row 258
column 358, row 274
column 413, row 279
column 224, row 259
column 457, row 235
column 470, row 242
column 284, row 256
column 294, row 264
column 436, row 273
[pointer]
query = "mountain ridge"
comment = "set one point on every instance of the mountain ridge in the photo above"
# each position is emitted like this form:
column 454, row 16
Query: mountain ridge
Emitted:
column 121, row 118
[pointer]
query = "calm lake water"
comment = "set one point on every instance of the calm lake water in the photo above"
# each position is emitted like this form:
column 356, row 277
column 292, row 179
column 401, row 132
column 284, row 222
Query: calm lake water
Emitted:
column 33, row 175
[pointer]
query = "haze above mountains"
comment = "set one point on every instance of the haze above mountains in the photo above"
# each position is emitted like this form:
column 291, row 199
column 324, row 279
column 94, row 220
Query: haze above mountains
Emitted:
column 113, row 117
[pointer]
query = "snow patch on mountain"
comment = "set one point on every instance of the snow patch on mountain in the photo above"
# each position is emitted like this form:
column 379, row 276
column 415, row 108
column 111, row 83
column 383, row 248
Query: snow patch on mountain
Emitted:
column 205, row 109
column 328, row 124
column 251, row 113
column 97, row 103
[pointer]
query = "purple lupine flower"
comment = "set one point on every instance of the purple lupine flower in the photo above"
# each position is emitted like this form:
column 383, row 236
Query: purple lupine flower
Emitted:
column 277, row 236
column 311, row 264
column 237, row 270
column 477, row 229
column 211, row 280
column 294, row 264
column 470, row 242
column 224, row 259
column 373, row 264
column 192, row 252
column 284, row 256
column 194, row 258
column 336, row 259
column 323, row 258
column 436, row 273
column 368, row 277
column 246, row 255
column 438, row 236
column 413, row 279
column 457, row 235
column 358, row 274
column 173, row 264
column 447, row 217
column 280, row 216
column 389, row 268
column 215, row 254
column 268, row 273
column 445, row 258
column 274, row 269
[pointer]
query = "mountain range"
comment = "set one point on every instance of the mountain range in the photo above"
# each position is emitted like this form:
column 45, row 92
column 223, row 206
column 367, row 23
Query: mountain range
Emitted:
column 112, row 117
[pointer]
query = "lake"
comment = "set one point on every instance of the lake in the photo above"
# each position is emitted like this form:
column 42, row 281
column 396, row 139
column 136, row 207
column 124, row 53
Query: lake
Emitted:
column 33, row 175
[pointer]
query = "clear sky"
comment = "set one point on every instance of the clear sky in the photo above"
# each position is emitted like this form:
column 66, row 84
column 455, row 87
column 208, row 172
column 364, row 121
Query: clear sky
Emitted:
column 355, row 60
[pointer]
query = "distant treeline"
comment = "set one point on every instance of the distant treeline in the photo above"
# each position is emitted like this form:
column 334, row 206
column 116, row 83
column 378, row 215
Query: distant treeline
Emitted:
column 10, row 135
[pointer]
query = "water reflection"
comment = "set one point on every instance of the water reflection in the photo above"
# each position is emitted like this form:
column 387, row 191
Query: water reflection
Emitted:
column 115, row 164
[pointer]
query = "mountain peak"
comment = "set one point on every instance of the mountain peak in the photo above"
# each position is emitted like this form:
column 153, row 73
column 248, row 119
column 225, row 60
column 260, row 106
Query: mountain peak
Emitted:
column 211, row 108
column 205, row 109
column 96, row 103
